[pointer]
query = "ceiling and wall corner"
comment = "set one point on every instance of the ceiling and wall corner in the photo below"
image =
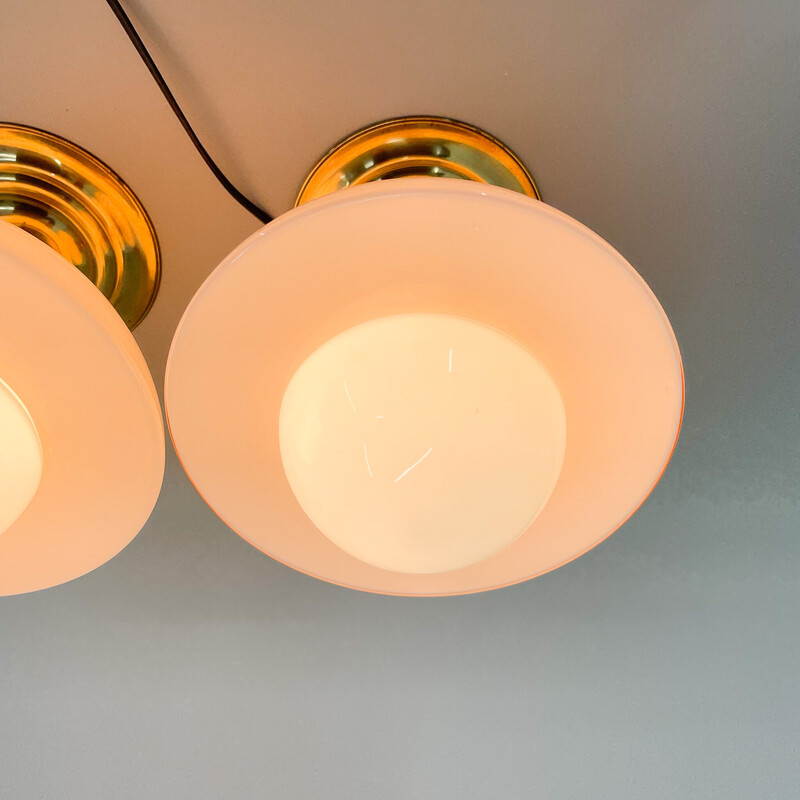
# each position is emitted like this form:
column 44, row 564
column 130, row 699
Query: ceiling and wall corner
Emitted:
column 662, row 663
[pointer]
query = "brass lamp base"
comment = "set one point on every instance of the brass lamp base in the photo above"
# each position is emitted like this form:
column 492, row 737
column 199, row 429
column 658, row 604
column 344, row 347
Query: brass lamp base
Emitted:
column 414, row 146
column 77, row 205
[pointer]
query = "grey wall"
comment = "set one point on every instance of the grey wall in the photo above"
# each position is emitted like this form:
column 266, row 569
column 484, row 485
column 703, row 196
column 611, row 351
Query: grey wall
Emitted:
column 662, row 664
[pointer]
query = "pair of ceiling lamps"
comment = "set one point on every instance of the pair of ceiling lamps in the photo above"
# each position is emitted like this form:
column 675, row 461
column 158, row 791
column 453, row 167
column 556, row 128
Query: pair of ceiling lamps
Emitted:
column 416, row 386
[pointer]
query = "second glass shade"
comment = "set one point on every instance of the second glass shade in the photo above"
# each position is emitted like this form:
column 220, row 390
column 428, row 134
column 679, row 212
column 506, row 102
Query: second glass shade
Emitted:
column 342, row 266
column 81, row 433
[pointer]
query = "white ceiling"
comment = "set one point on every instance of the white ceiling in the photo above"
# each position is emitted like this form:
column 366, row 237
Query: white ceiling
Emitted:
column 661, row 664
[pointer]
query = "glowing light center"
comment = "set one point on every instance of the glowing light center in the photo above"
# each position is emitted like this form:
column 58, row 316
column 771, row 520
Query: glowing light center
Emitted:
column 422, row 443
column 20, row 457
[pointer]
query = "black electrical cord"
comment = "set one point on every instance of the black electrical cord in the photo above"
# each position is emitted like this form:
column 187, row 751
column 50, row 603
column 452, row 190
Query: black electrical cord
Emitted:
column 137, row 42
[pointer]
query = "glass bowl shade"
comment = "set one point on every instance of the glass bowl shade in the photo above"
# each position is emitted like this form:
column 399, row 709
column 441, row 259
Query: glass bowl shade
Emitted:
column 72, row 362
column 432, row 246
column 20, row 457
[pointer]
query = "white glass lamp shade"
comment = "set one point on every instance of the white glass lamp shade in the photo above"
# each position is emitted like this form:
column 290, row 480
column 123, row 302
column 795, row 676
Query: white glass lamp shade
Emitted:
column 284, row 317
column 79, row 409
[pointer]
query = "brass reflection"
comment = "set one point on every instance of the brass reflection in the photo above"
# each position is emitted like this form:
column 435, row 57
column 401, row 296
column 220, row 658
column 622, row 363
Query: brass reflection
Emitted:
column 409, row 146
column 74, row 203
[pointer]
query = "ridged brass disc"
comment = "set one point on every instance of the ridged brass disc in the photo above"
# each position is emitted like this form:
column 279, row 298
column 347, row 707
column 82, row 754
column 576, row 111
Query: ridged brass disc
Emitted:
column 418, row 146
column 81, row 208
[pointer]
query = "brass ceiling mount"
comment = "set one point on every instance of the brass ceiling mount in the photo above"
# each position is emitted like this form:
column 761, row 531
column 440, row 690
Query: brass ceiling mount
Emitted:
column 418, row 146
column 81, row 208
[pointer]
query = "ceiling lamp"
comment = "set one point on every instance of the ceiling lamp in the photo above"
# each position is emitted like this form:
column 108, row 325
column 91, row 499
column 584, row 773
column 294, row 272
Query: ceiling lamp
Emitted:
column 424, row 386
column 81, row 435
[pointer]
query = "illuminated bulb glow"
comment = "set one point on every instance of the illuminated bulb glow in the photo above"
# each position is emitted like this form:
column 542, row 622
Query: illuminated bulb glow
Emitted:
column 422, row 443
column 20, row 457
